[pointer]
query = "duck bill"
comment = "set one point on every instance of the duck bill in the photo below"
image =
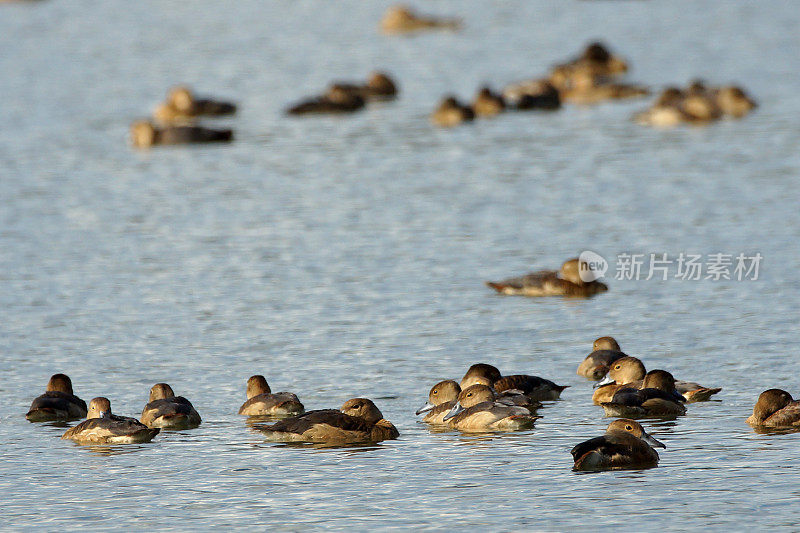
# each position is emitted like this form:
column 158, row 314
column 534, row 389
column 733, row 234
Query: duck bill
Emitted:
column 453, row 412
column 605, row 381
column 425, row 408
column 653, row 442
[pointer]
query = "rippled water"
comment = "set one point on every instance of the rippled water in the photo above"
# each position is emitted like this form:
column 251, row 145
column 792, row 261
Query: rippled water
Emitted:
column 345, row 256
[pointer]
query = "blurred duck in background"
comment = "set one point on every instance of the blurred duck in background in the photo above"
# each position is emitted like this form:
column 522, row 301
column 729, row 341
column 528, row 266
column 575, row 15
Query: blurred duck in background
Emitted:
column 402, row 19
column 565, row 282
column 145, row 134
column 182, row 105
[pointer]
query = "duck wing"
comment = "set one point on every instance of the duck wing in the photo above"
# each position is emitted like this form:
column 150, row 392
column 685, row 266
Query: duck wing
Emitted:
column 533, row 279
column 331, row 417
column 54, row 400
column 111, row 426
column 788, row 416
column 529, row 385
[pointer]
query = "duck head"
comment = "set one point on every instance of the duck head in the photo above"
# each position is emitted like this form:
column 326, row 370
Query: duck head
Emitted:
column 59, row 383
column 469, row 397
column 606, row 343
column 479, row 374
column 626, row 370
column 443, row 392
column 362, row 408
column 143, row 134
column 626, row 425
column 181, row 98
column 161, row 391
column 257, row 385
column 769, row 402
column 99, row 408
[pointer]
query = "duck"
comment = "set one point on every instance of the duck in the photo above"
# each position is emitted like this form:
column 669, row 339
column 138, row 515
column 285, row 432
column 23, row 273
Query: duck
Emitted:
column 181, row 106
column 401, row 19
column 775, row 408
column 166, row 411
column 103, row 427
column 564, row 282
column 57, row 403
column 477, row 409
column 595, row 61
column 587, row 88
column 261, row 401
column 625, row 445
column 451, row 112
column 145, row 134
column 358, row 421
column 534, row 388
column 630, row 371
column 182, row 99
column 667, row 111
column 732, row 101
column 487, row 103
column 656, row 398
column 605, row 350
column 441, row 399
column 379, row 86
column 338, row 99
column 532, row 94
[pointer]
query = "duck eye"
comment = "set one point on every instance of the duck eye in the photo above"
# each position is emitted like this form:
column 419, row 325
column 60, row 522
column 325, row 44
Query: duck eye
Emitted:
column 468, row 395
column 616, row 367
column 629, row 428
column 435, row 391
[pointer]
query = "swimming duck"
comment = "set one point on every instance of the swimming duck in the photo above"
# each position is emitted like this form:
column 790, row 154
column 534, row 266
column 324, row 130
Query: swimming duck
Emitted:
column 184, row 101
column 441, row 399
column 261, row 401
column 451, row 113
column 477, row 409
column 401, row 19
column 605, row 351
column 775, row 408
column 532, row 94
column 595, row 61
column 102, row 427
column 626, row 445
column 667, row 111
column 487, row 103
column 379, row 86
column 657, row 397
column 534, row 388
column 167, row 411
column 586, row 88
column 733, row 101
column 359, row 420
column 57, row 403
column 144, row 134
column 338, row 99
column 565, row 282
column 630, row 371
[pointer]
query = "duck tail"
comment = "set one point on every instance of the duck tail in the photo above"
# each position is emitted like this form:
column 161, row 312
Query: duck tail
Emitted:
column 702, row 394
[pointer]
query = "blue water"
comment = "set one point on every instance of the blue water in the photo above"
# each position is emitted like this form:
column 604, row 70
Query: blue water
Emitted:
column 345, row 257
